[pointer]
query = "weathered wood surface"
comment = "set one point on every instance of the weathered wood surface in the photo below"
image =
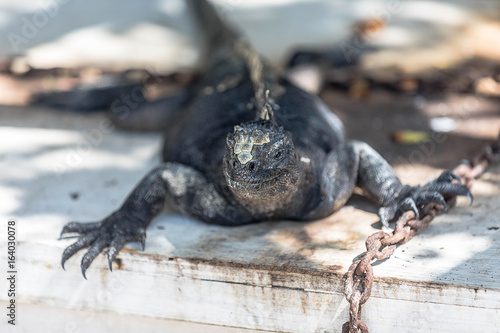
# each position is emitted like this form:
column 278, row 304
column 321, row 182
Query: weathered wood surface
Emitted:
column 35, row 319
column 283, row 276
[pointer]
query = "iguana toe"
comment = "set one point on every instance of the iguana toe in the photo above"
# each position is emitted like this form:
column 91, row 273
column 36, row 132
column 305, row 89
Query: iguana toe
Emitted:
column 425, row 197
column 82, row 242
column 98, row 245
column 448, row 176
column 114, row 248
column 81, row 228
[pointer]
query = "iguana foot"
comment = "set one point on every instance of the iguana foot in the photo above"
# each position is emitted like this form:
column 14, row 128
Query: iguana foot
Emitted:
column 415, row 197
column 113, row 232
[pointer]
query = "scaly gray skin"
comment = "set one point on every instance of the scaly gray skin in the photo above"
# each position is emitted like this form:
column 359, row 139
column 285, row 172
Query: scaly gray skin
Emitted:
column 249, row 146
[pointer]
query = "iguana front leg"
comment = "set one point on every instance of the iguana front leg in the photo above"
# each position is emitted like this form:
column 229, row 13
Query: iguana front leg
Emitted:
column 187, row 187
column 376, row 177
column 357, row 163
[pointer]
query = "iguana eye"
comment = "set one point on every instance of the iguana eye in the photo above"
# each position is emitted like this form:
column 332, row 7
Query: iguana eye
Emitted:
column 278, row 154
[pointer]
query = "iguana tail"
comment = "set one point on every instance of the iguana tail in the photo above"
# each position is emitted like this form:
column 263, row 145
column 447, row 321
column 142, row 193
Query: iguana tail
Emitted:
column 220, row 39
column 215, row 34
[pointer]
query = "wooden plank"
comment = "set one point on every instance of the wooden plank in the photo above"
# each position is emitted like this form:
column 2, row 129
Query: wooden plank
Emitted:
column 247, row 297
column 283, row 276
column 90, row 321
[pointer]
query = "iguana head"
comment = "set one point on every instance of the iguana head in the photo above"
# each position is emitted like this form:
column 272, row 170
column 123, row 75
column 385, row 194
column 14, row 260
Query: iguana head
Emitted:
column 260, row 161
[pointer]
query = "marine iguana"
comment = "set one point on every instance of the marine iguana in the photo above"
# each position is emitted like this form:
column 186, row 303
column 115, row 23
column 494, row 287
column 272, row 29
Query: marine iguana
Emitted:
column 246, row 145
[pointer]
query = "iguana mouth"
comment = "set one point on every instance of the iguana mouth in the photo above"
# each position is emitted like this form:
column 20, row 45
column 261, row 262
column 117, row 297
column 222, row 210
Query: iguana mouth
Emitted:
column 269, row 181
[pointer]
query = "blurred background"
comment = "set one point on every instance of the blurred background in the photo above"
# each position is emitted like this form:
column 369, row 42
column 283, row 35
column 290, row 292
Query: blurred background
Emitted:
column 159, row 33
column 386, row 40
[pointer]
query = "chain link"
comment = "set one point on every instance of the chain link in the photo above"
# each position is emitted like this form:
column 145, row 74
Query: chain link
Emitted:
column 381, row 245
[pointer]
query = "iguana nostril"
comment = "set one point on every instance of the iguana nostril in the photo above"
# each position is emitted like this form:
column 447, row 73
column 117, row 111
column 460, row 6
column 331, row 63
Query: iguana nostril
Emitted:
column 251, row 166
column 235, row 164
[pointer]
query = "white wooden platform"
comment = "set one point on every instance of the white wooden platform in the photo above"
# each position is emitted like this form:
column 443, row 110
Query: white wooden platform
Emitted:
column 283, row 276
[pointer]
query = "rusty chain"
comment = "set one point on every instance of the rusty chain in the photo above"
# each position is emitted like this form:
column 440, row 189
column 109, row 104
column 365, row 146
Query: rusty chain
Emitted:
column 381, row 245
